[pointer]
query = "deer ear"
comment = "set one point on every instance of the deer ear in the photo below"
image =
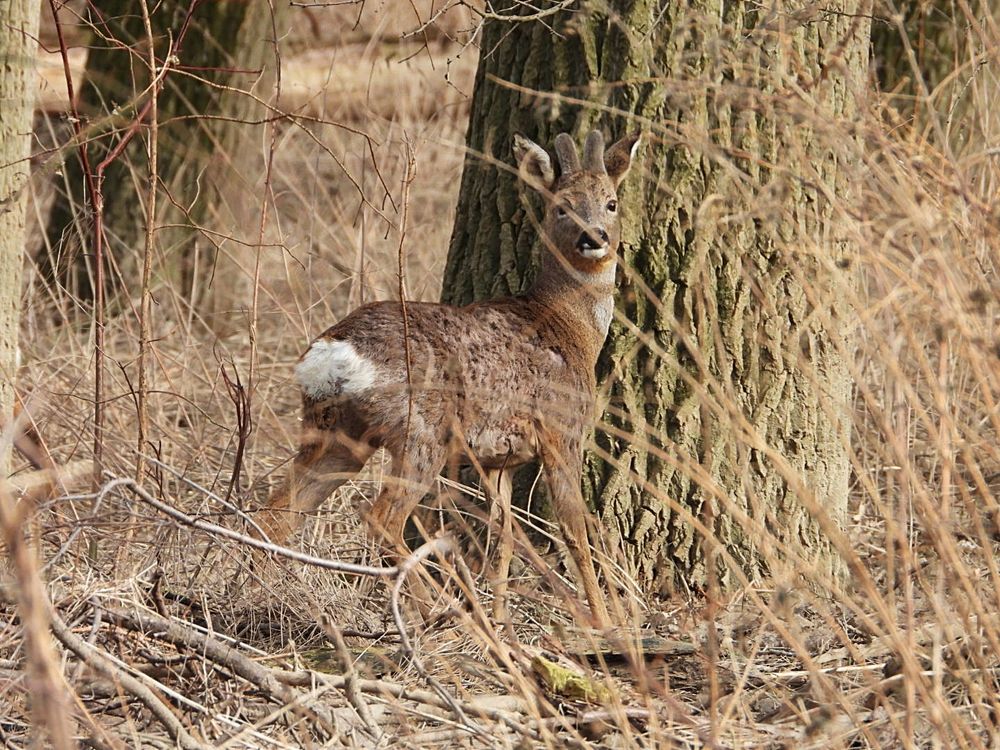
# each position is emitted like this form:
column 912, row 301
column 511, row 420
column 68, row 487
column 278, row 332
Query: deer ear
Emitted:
column 619, row 157
column 533, row 164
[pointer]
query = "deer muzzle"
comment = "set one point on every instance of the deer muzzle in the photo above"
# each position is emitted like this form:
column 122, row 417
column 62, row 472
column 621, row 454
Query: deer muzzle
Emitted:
column 593, row 243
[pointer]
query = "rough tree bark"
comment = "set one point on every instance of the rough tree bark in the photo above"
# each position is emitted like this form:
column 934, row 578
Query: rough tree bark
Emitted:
column 211, row 164
column 739, row 254
column 18, row 43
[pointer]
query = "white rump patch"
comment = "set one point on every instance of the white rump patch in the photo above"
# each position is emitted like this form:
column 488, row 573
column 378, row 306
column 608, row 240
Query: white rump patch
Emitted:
column 334, row 368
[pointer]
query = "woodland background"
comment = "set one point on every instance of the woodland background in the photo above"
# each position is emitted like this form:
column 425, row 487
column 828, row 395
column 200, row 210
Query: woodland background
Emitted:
column 828, row 170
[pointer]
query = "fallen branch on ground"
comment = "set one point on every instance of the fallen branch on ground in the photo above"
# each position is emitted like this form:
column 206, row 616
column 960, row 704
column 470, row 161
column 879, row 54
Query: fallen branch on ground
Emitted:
column 94, row 658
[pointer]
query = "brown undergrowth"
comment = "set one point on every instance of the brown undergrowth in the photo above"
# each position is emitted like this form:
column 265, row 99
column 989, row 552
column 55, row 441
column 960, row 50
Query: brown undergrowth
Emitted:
column 173, row 634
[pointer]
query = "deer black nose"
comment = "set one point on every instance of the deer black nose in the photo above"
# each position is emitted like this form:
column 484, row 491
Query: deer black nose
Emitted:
column 592, row 239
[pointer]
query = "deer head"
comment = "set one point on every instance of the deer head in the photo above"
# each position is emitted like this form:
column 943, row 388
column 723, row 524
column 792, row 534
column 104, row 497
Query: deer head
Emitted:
column 581, row 225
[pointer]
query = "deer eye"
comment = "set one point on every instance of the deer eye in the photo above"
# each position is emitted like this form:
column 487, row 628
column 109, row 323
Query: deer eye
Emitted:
column 612, row 206
column 561, row 210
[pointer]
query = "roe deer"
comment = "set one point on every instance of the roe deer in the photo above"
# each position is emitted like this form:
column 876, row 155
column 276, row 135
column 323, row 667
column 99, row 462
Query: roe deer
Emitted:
column 506, row 381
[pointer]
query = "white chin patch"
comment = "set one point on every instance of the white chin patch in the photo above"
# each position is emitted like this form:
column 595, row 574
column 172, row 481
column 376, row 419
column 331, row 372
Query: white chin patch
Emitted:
column 594, row 253
column 333, row 368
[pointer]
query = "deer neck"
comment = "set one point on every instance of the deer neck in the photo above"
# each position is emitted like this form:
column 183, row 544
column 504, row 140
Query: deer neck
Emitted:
column 585, row 300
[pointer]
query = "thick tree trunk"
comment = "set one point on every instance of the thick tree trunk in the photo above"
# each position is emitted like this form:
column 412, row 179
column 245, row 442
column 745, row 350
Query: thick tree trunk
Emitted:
column 211, row 162
column 18, row 43
column 750, row 413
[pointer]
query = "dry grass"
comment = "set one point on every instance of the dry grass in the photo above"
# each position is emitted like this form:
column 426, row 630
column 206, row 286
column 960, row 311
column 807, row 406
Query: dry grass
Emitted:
column 906, row 655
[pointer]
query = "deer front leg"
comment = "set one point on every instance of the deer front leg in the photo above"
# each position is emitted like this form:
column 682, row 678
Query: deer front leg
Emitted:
column 499, row 489
column 387, row 516
column 563, row 469
column 414, row 472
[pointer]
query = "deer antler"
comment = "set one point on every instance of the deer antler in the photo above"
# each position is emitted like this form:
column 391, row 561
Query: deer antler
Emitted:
column 569, row 160
column 593, row 153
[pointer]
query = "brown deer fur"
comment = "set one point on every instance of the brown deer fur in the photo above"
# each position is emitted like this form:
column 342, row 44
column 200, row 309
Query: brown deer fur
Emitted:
column 507, row 380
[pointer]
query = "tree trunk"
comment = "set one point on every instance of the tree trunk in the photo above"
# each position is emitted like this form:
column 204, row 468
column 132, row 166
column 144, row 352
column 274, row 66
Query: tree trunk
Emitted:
column 747, row 418
column 18, row 35
column 211, row 163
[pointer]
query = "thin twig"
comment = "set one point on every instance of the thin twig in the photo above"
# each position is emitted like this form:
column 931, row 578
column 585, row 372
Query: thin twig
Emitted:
column 90, row 181
column 351, row 688
column 266, row 201
column 408, row 178
column 240, row 397
column 146, row 296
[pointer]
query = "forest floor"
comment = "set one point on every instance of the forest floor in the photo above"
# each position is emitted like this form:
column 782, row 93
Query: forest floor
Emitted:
column 171, row 634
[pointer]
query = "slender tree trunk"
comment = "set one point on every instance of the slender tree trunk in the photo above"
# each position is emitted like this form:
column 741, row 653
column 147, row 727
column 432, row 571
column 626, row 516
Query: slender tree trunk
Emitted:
column 18, row 35
column 211, row 161
column 727, row 386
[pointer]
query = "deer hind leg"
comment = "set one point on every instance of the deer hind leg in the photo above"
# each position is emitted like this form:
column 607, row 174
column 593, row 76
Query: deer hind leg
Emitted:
column 409, row 481
column 563, row 467
column 324, row 462
column 414, row 471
